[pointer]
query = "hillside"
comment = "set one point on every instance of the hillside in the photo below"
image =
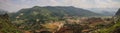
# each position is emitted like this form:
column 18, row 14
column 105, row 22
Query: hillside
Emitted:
column 50, row 13
column 32, row 18
column 115, row 28
column 38, row 18
column 5, row 25
column 59, row 10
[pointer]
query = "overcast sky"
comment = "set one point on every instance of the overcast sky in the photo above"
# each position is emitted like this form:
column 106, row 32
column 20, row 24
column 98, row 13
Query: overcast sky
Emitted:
column 15, row 5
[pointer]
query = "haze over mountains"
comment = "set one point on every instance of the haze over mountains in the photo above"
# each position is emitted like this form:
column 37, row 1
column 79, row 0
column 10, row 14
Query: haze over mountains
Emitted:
column 105, row 11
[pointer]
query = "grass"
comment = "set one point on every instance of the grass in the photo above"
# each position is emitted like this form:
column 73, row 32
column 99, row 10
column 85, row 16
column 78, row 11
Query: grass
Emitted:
column 110, row 29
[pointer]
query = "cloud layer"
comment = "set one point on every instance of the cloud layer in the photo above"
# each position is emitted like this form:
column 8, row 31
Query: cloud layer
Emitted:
column 15, row 5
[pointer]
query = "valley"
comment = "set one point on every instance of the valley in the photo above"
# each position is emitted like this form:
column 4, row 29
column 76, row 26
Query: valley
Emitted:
column 58, row 20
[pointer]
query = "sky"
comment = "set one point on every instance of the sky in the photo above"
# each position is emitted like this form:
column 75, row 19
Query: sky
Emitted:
column 15, row 5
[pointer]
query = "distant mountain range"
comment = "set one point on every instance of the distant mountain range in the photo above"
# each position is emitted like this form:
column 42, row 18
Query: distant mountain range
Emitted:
column 104, row 11
column 50, row 13
column 59, row 10
column 68, row 9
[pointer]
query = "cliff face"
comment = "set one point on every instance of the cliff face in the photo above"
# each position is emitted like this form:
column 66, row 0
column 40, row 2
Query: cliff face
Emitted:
column 117, row 16
column 118, row 12
column 117, row 24
column 5, row 25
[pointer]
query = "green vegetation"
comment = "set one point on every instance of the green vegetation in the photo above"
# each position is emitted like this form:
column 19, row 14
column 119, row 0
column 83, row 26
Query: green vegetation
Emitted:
column 110, row 29
column 32, row 18
column 57, row 19
column 114, row 27
column 6, row 26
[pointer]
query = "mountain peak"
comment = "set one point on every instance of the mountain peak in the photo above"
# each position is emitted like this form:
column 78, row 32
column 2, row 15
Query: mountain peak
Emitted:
column 35, row 6
column 54, row 6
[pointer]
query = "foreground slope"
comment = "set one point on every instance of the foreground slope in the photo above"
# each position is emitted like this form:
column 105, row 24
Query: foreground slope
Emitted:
column 5, row 25
column 115, row 28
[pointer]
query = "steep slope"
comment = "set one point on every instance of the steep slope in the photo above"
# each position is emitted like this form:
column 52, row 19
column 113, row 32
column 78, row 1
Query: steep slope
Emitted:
column 115, row 28
column 117, row 25
column 5, row 25
column 118, row 13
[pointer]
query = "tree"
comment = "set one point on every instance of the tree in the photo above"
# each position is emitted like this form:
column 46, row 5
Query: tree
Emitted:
column 6, row 26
